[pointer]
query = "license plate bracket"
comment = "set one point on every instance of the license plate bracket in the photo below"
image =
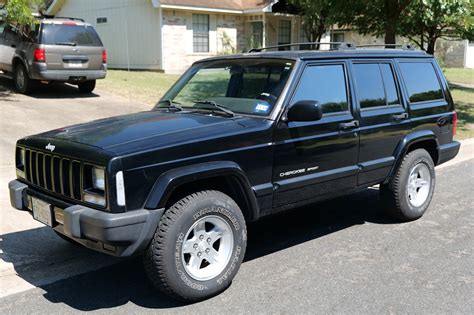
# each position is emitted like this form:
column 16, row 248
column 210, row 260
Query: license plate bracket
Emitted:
column 42, row 211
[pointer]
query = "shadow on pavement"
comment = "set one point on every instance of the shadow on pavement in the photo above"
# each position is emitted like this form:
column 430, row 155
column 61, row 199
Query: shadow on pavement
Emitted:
column 44, row 91
column 126, row 281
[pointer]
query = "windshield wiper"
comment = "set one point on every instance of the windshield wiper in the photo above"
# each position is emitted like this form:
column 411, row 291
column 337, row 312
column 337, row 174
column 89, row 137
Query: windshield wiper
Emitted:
column 66, row 43
column 214, row 105
column 170, row 104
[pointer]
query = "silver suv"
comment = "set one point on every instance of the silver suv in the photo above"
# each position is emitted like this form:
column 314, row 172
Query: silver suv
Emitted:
column 57, row 50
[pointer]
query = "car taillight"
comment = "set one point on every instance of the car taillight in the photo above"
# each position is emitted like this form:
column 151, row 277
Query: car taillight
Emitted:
column 39, row 55
column 104, row 56
column 455, row 123
column 70, row 23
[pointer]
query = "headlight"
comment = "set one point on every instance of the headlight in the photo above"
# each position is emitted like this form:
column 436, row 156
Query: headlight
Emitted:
column 20, row 161
column 98, row 178
column 94, row 185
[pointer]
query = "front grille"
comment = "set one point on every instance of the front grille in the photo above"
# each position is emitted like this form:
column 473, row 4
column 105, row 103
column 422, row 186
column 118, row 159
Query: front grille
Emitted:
column 54, row 173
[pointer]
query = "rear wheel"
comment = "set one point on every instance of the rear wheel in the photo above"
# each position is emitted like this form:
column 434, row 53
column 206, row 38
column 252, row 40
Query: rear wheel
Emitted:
column 87, row 86
column 409, row 193
column 198, row 246
column 23, row 83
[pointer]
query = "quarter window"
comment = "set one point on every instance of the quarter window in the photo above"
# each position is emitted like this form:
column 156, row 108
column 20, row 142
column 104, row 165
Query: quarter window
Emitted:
column 200, row 33
column 421, row 81
column 375, row 85
column 325, row 84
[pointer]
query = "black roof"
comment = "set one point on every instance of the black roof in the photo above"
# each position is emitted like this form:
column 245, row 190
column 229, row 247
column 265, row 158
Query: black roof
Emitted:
column 328, row 54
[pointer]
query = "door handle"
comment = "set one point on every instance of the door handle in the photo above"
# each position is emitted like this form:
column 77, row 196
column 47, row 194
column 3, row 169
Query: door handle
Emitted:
column 398, row 117
column 350, row 125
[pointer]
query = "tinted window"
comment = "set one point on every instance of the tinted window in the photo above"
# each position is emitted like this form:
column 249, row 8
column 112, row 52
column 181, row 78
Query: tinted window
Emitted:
column 62, row 34
column 370, row 89
column 421, row 81
column 325, row 84
column 389, row 82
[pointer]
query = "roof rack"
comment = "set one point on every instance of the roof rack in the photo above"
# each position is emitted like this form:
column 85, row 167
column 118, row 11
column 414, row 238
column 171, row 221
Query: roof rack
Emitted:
column 48, row 16
column 402, row 46
column 341, row 46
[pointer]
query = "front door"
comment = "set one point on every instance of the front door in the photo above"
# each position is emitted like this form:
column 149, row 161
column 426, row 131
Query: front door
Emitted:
column 8, row 41
column 317, row 158
column 383, row 118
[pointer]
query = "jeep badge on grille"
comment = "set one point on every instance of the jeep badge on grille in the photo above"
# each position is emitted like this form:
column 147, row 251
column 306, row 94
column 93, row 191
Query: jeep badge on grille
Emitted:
column 50, row 147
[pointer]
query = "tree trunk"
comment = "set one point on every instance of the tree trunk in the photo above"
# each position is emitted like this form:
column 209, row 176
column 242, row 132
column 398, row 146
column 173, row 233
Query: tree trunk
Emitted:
column 392, row 14
column 431, row 46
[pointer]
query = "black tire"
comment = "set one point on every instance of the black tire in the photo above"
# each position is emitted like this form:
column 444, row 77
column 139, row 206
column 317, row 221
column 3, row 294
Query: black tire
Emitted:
column 87, row 86
column 67, row 239
column 396, row 194
column 23, row 84
column 163, row 259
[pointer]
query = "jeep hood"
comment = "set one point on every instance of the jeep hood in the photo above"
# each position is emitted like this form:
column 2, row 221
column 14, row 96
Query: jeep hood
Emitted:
column 149, row 129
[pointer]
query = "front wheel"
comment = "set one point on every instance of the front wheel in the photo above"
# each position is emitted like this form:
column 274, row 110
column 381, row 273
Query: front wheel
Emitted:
column 87, row 86
column 409, row 193
column 198, row 247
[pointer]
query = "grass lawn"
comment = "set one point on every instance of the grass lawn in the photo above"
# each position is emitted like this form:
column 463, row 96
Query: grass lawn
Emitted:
column 459, row 75
column 147, row 87
column 143, row 86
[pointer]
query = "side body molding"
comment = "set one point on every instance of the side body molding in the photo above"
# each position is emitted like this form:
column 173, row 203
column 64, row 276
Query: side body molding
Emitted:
column 170, row 180
column 406, row 142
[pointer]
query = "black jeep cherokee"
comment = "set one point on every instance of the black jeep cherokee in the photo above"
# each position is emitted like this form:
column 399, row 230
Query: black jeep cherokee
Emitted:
column 235, row 139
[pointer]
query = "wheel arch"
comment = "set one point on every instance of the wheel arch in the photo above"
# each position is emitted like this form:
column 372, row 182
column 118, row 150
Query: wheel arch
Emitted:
column 225, row 176
column 423, row 139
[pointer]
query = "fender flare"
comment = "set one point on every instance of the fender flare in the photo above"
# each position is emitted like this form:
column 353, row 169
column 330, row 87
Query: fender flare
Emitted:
column 169, row 181
column 404, row 145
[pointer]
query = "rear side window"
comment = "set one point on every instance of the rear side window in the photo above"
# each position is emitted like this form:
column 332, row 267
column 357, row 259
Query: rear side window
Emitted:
column 375, row 85
column 421, row 81
column 71, row 35
column 325, row 84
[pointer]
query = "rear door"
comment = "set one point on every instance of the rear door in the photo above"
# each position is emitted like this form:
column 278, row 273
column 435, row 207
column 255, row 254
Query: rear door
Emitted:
column 71, row 46
column 383, row 117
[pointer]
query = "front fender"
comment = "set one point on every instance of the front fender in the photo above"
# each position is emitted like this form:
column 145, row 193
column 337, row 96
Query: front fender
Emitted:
column 166, row 184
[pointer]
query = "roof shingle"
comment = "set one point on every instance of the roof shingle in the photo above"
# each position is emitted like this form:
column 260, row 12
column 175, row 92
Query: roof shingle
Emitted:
column 221, row 4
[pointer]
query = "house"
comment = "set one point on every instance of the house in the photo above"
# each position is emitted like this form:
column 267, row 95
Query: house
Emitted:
column 170, row 35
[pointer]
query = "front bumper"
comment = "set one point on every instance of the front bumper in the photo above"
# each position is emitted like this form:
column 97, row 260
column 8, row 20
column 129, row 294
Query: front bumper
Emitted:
column 117, row 234
column 39, row 71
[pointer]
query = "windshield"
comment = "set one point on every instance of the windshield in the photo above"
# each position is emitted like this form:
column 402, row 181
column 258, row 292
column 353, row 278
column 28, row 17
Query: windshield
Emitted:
column 74, row 35
column 243, row 86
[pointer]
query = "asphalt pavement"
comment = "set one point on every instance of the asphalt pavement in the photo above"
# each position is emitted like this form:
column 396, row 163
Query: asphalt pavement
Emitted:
column 341, row 256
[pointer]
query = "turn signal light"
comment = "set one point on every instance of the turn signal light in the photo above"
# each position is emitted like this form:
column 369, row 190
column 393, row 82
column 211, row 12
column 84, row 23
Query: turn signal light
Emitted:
column 40, row 55
column 455, row 123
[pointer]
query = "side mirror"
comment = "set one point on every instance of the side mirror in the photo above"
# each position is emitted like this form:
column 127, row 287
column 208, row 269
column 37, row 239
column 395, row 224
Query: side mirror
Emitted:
column 305, row 111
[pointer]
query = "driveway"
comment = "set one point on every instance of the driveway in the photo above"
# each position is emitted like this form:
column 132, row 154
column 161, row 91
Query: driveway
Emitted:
column 49, row 108
column 342, row 256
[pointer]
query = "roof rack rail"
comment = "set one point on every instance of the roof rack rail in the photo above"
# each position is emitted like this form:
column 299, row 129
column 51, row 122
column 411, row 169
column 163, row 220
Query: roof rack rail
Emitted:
column 402, row 46
column 341, row 46
column 48, row 16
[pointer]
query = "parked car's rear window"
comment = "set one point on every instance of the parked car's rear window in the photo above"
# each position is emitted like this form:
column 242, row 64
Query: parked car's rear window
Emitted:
column 421, row 81
column 76, row 35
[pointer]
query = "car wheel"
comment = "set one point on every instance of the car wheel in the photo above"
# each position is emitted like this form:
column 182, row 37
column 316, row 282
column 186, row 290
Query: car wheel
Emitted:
column 87, row 86
column 198, row 247
column 23, row 83
column 409, row 193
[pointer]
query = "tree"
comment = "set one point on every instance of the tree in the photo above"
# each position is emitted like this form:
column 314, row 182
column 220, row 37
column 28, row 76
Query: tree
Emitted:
column 376, row 17
column 318, row 15
column 20, row 11
column 429, row 20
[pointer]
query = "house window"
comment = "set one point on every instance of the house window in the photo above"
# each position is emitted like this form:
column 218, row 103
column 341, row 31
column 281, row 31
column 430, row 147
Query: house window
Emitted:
column 284, row 33
column 336, row 38
column 200, row 33
column 256, row 37
column 101, row 20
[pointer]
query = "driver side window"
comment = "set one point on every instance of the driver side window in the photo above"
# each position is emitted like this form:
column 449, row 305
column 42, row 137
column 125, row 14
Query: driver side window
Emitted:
column 325, row 84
